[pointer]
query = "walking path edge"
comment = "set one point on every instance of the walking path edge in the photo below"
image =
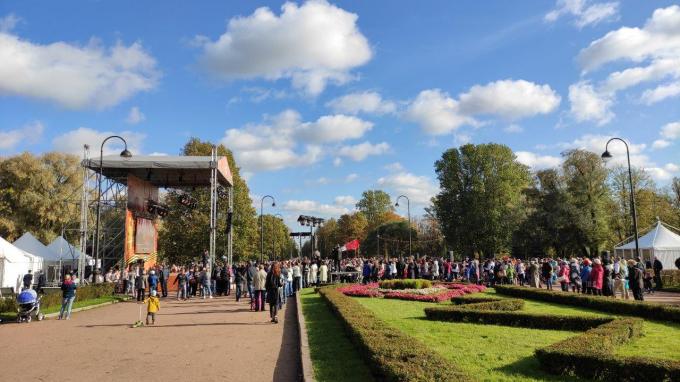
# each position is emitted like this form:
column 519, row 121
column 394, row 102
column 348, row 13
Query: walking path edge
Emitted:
column 56, row 314
column 305, row 358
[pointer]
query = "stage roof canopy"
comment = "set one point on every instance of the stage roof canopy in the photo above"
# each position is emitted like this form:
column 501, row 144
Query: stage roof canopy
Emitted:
column 163, row 171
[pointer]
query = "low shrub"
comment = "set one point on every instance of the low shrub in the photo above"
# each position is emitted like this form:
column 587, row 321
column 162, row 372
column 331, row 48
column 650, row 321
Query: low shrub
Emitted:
column 472, row 299
column 391, row 354
column 605, row 304
column 87, row 292
column 591, row 355
column 405, row 284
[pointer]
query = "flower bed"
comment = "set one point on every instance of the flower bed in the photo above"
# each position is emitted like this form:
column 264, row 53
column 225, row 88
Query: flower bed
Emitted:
column 437, row 293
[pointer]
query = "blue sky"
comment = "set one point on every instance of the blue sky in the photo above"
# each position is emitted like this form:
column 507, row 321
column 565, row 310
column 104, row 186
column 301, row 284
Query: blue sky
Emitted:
column 322, row 100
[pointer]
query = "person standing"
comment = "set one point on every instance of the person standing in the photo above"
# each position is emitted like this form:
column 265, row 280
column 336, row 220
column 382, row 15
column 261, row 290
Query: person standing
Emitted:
column 153, row 280
column 272, row 286
column 153, row 305
column 28, row 280
column 323, row 273
column 68, row 294
column 297, row 277
column 658, row 267
column 259, row 286
column 239, row 280
column 596, row 277
column 181, row 281
column 635, row 280
column 205, row 283
column 164, row 274
column 42, row 282
column 250, row 277
column 140, row 285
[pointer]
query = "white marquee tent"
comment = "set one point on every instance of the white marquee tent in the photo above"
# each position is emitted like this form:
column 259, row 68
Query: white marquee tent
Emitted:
column 14, row 263
column 660, row 242
column 65, row 252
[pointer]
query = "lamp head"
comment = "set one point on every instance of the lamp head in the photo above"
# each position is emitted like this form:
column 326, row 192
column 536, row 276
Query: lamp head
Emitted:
column 396, row 204
column 273, row 204
column 606, row 156
column 126, row 153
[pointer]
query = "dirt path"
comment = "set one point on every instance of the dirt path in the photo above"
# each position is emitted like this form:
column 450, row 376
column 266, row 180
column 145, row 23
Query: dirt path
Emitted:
column 196, row 340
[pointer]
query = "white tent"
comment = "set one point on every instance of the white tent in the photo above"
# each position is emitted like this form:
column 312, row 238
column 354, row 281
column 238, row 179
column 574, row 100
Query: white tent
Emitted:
column 28, row 243
column 660, row 242
column 14, row 264
column 64, row 251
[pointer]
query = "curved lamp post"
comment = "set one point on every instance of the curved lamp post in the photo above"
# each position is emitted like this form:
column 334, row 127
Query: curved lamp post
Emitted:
column 606, row 155
column 125, row 154
column 262, row 224
column 408, row 209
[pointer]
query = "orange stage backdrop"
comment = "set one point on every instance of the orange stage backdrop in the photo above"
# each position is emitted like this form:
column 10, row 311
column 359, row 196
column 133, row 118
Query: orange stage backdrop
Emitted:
column 141, row 234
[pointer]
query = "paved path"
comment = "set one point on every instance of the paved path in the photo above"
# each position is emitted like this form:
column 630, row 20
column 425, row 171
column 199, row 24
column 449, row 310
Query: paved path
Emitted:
column 196, row 340
column 664, row 297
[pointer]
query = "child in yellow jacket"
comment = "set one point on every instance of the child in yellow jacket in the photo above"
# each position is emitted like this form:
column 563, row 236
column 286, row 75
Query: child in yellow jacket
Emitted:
column 153, row 305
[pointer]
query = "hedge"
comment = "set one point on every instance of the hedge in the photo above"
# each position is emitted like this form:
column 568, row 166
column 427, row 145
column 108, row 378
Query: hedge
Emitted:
column 405, row 284
column 591, row 355
column 606, row 304
column 391, row 354
column 87, row 292
column 473, row 299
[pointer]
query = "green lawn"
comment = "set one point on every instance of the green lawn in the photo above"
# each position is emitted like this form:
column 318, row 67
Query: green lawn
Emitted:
column 11, row 316
column 487, row 352
column 334, row 358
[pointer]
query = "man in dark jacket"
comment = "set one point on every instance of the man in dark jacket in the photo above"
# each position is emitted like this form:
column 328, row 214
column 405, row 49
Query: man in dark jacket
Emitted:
column 250, row 276
column 28, row 279
column 635, row 279
column 164, row 275
column 42, row 282
column 658, row 267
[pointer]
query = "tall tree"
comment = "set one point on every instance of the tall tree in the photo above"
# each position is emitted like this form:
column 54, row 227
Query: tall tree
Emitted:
column 478, row 206
column 393, row 240
column 376, row 206
column 352, row 226
column 278, row 243
column 327, row 237
column 185, row 232
column 586, row 181
column 41, row 195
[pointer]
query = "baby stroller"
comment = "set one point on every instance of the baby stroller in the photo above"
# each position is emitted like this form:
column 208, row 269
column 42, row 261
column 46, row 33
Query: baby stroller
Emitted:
column 29, row 306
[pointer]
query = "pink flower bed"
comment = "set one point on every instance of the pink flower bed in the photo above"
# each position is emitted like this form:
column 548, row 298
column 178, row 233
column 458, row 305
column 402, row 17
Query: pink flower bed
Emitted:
column 442, row 292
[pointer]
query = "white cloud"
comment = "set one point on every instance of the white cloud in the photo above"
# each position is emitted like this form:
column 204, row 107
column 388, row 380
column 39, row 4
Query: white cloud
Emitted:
column 278, row 142
column 337, row 162
column 314, row 208
column 72, row 141
column 29, row 133
column 135, row 116
column 312, row 44
column 321, row 181
column 74, row 76
column 660, row 93
column 509, row 99
column 589, row 105
column 437, row 113
column 362, row 102
column 8, row 22
column 584, row 13
column 513, row 129
column 419, row 189
column 334, row 128
column 664, row 173
column 537, row 162
column 345, row 200
column 351, row 177
column 660, row 144
column 362, row 150
column 394, row 167
column 158, row 154
column 671, row 130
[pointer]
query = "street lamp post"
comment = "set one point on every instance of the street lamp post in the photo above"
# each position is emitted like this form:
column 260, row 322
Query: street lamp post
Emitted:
column 262, row 225
column 125, row 154
column 606, row 155
column 408, row 209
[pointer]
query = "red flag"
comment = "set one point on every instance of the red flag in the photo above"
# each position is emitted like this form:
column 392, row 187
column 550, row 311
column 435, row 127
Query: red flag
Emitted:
column 352, row 245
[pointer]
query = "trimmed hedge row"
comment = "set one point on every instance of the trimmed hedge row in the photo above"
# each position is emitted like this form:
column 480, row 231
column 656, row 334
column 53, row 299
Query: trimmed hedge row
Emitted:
column 82, row 293
column 606, row 304
column 591, row 355
column 473, row 299
column 506, row 312
column 391, row 354
column 405, row 284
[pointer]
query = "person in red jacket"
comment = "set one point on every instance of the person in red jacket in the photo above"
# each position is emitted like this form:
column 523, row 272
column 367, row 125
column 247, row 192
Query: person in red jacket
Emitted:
column 596, row 277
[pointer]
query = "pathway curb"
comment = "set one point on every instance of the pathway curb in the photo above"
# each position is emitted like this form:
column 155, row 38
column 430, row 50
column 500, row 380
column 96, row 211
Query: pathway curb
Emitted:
column 56, row 314
column 305, row 358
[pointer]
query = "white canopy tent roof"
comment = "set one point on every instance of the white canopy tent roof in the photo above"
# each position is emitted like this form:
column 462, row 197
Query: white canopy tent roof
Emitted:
column 32, row 245
column 14, row 264
column 659, row 242
column 64, row 251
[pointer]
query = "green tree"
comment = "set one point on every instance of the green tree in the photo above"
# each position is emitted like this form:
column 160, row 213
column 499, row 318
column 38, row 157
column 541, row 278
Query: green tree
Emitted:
column 480, row 198
column 393, row 240
column 352, row 226
column 184, row 232
column 40, row 194
column 586, row 184
column 327, row 237
column 376, row 206
column 277, row 241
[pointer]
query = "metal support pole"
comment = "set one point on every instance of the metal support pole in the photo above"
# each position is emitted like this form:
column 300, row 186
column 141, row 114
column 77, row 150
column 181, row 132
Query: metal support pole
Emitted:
column 230, row 236
column 84, row 212
column 213, row 205
column 408, row 209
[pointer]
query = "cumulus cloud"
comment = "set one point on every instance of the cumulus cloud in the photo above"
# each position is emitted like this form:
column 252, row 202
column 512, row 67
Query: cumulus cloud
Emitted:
column 345, row 200
column 660, row 144
column 513, row 129
column 368, row 102
column 72, row 141
column 135, row 116
column 312, row 44
column 337, row 162
column 351, row 177
column 29, row 133
column 438, row 113
column 589, row 105
column 362, row 150
column 284, row 140
column 420, row 189
column 8, row 22
column 583, row 12
column 314, row 208
column 537, row 162
column 73, row 76
column 671, row 130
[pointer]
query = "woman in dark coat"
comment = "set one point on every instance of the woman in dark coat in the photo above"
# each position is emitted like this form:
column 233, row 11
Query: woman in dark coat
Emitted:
column 272, row 286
